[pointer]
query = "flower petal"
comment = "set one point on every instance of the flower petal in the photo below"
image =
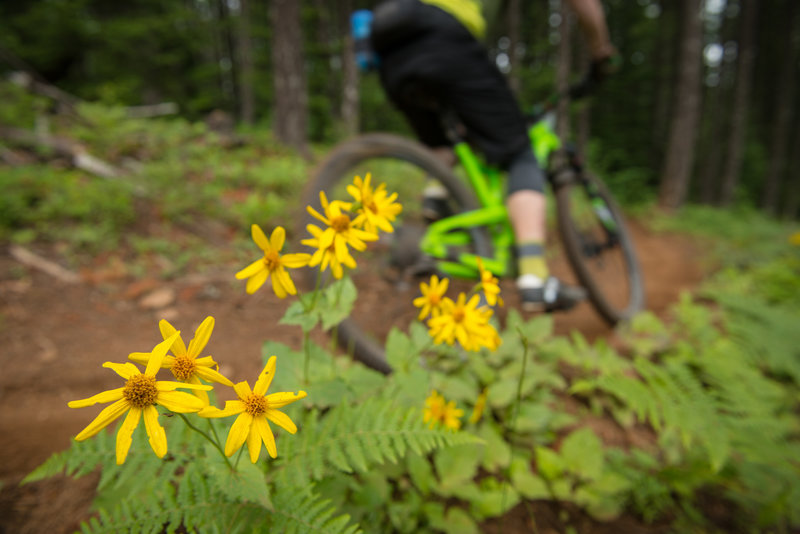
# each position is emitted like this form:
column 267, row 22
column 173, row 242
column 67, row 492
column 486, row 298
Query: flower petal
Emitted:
column 279, row 400
column 158, row 438
column 265, row 378
column 167, row 330
column 207, row 373
column 242, row 389
column 106, row 396
column 171, row 385
column 295, row 261
column 125, row 370
column 251, row 269
column 254, row 443
column 103, row 419
column 231, row 408
column 266, row 435
column 277, row 238
column 158, row 353
column 179, row 402
column 282, row 420
column 238, row 433
column 125, row 434
column 255, row 282
column 199, row 393
column 286, row 281
column 201, row 337
column 259, row 237
column 143, row 358
column 277, row 287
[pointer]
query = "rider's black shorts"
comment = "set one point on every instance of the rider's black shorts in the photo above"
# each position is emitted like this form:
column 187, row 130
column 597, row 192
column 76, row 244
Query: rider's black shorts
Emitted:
column 429, row 62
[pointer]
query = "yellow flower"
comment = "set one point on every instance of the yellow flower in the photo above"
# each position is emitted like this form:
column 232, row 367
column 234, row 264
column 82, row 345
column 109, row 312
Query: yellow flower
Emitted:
column 186, row 365
column 341, row 231
column 464, row 322
column 480, row 406
column 432, row 297
column 327, row 257
column 452, row 416
column 794, row 239
column 255, row 408
column 434, row 409
column 139, row 397
column 378, row 207
column 272, row 263
column 439, row 411
column 490, row 285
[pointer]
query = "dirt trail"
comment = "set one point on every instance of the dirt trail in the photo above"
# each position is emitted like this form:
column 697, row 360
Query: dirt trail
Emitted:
column 54, row 338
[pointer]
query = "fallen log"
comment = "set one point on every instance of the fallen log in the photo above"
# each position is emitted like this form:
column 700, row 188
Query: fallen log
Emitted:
column 78, row 156
column 154, row 110
column 30, row 259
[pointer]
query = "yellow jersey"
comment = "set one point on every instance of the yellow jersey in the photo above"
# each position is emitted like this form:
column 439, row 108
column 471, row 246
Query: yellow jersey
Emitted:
column 468, row 12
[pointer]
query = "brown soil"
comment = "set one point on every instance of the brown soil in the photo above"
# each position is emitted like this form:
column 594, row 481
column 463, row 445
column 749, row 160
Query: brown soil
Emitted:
column 55, row 336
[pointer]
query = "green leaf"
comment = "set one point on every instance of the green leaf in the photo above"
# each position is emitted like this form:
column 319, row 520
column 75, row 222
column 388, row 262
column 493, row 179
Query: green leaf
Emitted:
column 400, row 351
column 582, row 452
column 496, row 498
column 421, row 472
column 246, row 483
column 327, row 393
column 497, row 454
column 502, row 393
column 456, row 465
column 525, row 482
column 549, row 463
column 297, row 315
column 458, row 521
column 337, row 302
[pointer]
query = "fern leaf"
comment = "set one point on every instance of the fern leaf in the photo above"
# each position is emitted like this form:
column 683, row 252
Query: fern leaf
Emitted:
column 355, row 438
column 297, row 511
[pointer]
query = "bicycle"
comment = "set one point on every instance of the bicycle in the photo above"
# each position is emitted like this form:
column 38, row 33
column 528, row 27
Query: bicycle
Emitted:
column 590, row 224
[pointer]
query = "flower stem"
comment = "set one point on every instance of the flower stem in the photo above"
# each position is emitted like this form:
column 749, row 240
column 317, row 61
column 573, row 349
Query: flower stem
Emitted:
column 238, row 457
column 213, row 442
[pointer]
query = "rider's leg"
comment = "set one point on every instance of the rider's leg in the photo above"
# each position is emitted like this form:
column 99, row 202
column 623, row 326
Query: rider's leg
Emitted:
column 526, row 203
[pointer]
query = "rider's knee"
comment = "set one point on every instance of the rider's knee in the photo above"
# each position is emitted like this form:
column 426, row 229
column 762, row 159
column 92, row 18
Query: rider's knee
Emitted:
column 524, row 173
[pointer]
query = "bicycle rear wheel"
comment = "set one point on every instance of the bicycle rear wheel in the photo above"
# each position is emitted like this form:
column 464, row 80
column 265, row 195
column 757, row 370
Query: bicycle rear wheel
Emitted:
column 599, row 246
column 389, row 271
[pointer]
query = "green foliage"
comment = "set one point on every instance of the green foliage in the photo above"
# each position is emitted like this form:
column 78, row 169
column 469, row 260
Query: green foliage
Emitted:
column 52, row 204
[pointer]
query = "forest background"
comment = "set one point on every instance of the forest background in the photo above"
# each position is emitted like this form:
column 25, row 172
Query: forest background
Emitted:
column 140, row 140
column 703, row 108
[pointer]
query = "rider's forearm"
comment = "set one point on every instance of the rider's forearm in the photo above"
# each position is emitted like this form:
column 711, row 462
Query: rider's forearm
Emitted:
column 593, row 23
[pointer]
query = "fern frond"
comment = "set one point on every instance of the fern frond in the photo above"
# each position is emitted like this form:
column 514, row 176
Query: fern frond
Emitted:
column 80, row 459
column 354, row 438
column 298, row 511
column 195, row 505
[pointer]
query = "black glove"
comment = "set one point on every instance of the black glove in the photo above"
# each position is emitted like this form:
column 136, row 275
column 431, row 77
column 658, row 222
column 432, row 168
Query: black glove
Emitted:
column 602, row 68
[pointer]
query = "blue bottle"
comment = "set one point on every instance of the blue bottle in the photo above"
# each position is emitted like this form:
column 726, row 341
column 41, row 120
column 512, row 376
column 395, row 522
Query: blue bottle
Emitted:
column 360, row 25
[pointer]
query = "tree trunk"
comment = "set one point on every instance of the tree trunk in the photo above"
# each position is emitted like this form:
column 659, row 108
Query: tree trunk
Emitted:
column 683, row 126
column 783, row 113
column 712, row 148
column 563, row 69
column 228, row 55
column 792, row 203
column 741, row 99
column 350, row 89
column 244, row 44
column 513, row 21
column 290, row 112
column 664, row 81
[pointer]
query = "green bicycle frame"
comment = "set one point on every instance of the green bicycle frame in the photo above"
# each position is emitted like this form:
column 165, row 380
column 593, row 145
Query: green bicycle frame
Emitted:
column 489, row 187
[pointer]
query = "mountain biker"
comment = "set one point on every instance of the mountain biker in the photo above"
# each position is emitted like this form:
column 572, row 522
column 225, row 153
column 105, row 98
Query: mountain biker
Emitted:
column 430, row 56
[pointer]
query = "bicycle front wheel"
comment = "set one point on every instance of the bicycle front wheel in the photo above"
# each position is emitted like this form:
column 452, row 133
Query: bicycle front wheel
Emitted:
column 599, row 247
column 388, row 273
